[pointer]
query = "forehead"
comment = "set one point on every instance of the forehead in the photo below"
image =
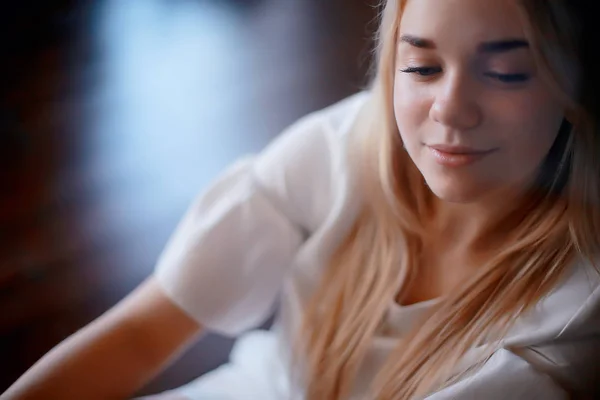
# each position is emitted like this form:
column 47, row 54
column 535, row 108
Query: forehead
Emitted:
column 462, row 22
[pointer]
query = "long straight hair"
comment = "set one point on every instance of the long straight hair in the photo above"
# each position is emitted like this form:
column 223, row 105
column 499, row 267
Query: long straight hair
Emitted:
column 556, row 225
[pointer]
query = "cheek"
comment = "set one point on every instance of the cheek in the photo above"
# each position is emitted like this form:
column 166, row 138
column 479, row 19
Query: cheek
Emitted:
column 411, row 110
column 528, row 129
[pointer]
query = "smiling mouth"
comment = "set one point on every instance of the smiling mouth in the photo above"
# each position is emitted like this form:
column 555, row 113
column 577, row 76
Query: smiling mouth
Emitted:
column 457, row 156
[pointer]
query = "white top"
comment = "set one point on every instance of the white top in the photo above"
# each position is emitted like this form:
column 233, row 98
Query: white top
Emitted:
column 261, row 235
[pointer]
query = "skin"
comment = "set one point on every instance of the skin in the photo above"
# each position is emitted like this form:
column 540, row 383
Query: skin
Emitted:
column 449, row 91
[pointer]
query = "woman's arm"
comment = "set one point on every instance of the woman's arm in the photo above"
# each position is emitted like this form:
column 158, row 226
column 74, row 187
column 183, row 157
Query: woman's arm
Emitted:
column 115, row 355
column 505, row 376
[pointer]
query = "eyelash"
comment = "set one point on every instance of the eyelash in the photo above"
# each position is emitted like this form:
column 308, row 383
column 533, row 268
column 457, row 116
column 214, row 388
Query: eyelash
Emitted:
column 508, row 78
column 504, row 78
column 420, row 70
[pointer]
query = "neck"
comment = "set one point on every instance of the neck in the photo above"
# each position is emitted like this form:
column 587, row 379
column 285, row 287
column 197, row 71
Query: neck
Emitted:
column 473, row 225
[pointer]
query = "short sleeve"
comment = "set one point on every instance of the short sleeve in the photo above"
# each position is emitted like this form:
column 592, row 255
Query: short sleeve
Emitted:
column 225, row 262
column 228, row 258
column 504, row 376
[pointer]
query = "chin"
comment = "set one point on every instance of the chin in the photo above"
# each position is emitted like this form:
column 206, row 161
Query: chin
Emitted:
column 455, row 191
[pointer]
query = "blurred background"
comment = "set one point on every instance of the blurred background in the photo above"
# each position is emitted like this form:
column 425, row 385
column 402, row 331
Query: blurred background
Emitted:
column 114, row 114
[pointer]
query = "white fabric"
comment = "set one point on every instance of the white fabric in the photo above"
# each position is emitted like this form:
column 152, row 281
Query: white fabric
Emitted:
column 260, row 237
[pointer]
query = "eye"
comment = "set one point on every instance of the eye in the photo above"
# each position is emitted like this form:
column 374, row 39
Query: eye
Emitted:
column 508, row 78
column 422, row 71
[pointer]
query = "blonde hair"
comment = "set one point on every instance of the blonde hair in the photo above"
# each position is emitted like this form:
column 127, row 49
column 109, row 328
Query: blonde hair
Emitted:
column 557, row 223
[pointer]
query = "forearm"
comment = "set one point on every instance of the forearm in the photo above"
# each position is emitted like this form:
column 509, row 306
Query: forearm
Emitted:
column 91, row 364
column 114, row 356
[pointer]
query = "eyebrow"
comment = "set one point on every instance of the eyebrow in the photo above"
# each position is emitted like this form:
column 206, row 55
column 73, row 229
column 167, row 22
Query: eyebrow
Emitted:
column 502, row 46
column 495, row 46
column 416, row 41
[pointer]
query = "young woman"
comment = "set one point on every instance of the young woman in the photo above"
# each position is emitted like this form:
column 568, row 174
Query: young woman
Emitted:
column 433, row 237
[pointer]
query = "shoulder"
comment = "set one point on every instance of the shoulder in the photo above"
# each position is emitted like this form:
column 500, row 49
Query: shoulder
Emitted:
column 316, row 137
column 561, row 335
column 305, row 167
column 571, row 309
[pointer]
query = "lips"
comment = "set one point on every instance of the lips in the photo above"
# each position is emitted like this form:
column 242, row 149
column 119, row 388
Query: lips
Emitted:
column 457, row 156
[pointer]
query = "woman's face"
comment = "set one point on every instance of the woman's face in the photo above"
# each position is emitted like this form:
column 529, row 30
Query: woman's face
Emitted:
column 473, row 113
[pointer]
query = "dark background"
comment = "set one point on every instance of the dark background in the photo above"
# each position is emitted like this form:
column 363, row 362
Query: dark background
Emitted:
column 114, row 114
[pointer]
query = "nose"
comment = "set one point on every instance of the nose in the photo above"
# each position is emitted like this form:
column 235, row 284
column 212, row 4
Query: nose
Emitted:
column 455, row 104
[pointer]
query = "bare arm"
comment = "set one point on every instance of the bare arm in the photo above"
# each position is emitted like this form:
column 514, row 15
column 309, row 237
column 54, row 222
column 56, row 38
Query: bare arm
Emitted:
column 115, row 355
